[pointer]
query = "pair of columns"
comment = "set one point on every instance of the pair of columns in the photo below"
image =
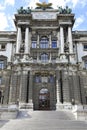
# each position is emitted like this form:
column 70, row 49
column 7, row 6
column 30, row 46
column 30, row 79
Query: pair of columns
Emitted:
column 27, row 40
column 69, row 40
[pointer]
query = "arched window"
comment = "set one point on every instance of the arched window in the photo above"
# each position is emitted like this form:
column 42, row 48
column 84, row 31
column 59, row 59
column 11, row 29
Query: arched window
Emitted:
column 44, row 43
column 44, row 57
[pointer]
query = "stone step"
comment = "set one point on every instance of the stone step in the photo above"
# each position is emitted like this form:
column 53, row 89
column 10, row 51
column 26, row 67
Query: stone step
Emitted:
column 45, row 120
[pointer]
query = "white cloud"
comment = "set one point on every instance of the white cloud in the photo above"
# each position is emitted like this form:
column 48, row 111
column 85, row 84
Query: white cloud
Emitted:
column 10, row 2
column 79, row 21
column 31, row 3
column 83, row 3
column 2, row 7
column 3, row 22
column 63, row 3
column 11, row 22
column 56, row 3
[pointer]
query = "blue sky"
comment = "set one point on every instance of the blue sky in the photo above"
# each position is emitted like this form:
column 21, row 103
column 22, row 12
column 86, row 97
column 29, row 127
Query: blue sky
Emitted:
column 9, row 7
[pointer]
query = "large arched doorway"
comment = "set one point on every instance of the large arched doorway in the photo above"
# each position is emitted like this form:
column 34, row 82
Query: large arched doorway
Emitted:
column 44, row 99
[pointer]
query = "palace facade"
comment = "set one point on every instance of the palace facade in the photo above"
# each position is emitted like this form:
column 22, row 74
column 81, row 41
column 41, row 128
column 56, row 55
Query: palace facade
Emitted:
column 43, row 63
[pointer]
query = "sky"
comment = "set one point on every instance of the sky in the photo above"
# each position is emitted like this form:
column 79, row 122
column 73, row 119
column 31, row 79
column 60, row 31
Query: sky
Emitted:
column 9, row 7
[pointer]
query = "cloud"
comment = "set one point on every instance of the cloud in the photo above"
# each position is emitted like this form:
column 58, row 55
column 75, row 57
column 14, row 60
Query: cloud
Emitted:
column 2, row 7
column 83, row 3
column 10, row 2
column 3, row 22
column 31, row 3
column 56, row 3
column 11, row 23
column 71, row 3
column 79, row 21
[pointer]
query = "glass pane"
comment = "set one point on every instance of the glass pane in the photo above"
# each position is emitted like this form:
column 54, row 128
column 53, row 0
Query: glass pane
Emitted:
column 37, row 79
column 1, row 64
column 44, row 57
column 34, row 43
column 51, row 79
column 54, row 44
column 44, row 42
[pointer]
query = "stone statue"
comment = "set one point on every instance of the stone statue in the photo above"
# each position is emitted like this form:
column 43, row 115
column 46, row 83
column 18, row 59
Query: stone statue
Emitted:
column 24, row 11
column 66, row 10
column 66, row 47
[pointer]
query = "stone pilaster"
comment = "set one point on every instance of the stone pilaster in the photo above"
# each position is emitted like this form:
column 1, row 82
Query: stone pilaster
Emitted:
column 38, row 41
column 23, row 87
column 65, row 86
column 19, row 39
column 13, row 88
column 50, row 41
column 30, row 97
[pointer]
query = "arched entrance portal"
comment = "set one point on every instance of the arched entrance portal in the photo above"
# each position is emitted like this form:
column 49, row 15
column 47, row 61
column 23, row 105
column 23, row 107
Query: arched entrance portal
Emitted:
column 44, row 99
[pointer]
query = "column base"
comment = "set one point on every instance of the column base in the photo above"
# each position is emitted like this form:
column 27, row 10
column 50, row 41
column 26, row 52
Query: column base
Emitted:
column 64, row 106
column 26, row 106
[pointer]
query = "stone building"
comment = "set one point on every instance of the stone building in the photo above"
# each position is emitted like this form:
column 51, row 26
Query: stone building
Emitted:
column 43, row 63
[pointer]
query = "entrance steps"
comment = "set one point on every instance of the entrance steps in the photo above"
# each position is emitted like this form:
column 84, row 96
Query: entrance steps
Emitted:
column 45, row 120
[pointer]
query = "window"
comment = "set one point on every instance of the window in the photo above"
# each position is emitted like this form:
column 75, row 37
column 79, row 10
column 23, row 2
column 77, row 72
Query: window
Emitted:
column 54, row 44
column 37, row 78
column 2, row 47
column 51, row 79
column 44, row 79
column 34, row 44
column 86, row 64
column 85, row 47
column 44, row 43
column 2, row 64
column 44, row 57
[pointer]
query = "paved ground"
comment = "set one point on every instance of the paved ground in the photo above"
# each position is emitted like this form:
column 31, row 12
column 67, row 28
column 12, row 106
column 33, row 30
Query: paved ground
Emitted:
column 45, row 120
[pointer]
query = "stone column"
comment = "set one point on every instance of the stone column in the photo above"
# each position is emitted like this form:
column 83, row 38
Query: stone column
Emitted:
column 70, row 40
column 61, row 40
column 27, row 40
column 19, row 39
column 50, row 41
column 57, row 89
column 38, row 41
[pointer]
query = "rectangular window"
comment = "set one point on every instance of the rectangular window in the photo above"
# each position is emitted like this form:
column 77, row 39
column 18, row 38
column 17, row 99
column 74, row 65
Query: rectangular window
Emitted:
column 54, row 44
column 1, row 64
column 34, row 44
column 86, row 64
column 85, row 47
column 44, row 79
column 2, row 47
